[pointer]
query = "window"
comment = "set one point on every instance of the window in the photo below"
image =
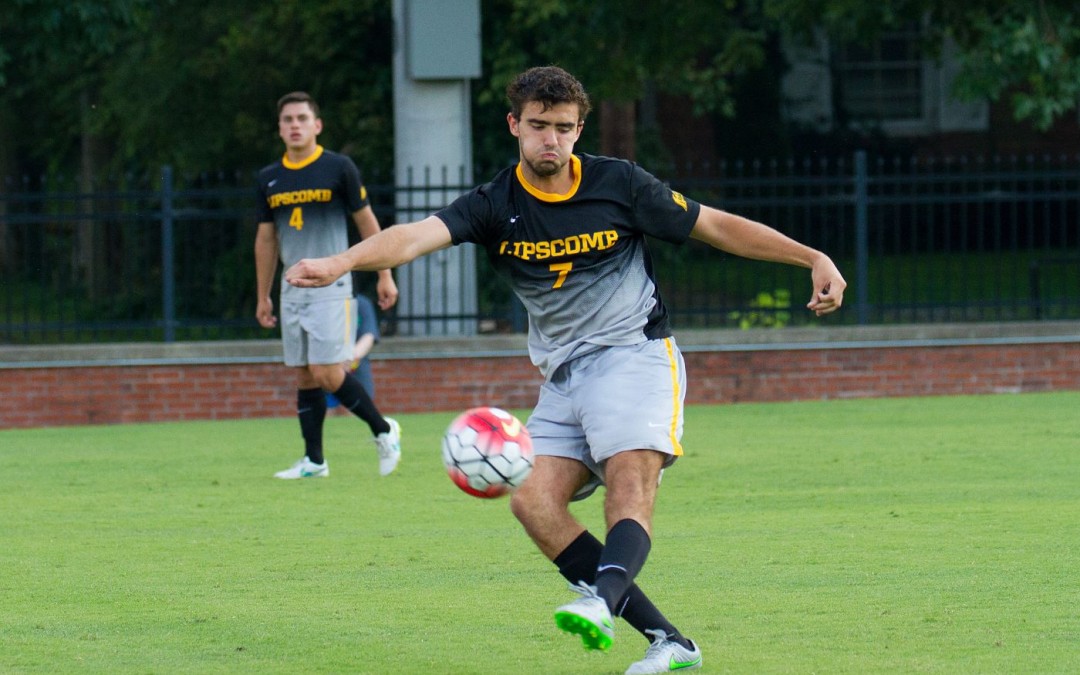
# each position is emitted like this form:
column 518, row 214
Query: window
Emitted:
column 888, row 85
column 883, row 81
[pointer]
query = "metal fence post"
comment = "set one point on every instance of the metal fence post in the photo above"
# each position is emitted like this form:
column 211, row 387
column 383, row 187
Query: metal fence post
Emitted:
column 168, row 280
column 862, row 240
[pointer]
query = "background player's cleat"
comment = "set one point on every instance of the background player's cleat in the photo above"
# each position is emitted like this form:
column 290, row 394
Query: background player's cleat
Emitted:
column 304, row 468
column 587, row 617
column 666, row 656
column 388, row 445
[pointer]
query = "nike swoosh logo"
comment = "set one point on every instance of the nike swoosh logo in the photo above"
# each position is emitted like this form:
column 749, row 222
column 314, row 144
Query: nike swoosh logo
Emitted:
column 679, row 665
column 512, row 428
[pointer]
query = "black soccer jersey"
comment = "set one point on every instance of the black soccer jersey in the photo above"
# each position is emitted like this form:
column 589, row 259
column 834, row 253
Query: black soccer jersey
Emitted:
column 579, row 262
column 311, row 203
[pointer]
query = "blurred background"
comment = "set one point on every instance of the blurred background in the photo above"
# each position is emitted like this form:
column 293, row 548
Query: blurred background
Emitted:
column 930, row 147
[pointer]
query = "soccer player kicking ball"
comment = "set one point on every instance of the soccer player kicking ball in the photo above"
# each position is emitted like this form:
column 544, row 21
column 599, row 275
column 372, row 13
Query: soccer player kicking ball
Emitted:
column 569, row 232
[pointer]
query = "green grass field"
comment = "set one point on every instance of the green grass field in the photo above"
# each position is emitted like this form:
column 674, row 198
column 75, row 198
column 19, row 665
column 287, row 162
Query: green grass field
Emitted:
column 930, row 535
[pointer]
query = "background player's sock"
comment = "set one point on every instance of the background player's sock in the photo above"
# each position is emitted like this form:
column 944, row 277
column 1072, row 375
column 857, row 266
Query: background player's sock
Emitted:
column 311, row 409
column 355, row 399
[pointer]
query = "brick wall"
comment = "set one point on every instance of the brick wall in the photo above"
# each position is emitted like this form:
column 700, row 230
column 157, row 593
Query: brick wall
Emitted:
column 727, row 377
column 41, row 394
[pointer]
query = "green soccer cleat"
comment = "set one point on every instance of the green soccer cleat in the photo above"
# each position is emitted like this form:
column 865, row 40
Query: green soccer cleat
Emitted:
column 587, row 617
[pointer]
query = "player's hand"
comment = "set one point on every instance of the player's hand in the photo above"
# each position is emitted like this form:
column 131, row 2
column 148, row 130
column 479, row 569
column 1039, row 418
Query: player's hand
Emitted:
column 314, row 272
column 387, row 290
column 829, row 287
column 264, row 313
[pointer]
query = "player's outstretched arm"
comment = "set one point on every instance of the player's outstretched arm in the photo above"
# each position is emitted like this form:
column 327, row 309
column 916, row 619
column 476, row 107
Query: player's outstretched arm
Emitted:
column 386, row 288
column 390, row 248
column 749, row 239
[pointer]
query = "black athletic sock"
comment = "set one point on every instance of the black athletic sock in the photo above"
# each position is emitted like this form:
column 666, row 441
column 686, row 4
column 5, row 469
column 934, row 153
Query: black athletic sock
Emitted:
column 356, row 400
column 578, row 562
column 625, row 550
column 311, row 409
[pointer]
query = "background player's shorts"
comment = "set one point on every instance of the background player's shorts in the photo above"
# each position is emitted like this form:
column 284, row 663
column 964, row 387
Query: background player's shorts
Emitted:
column 611, row 400
column 319, row 333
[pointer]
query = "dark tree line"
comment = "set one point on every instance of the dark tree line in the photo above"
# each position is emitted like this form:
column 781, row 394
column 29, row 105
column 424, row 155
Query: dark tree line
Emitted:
column 97, row 87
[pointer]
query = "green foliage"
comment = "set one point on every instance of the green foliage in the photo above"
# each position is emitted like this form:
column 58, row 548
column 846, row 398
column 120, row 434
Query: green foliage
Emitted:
column 1034, row 59
column 54, row 55
column 195, row 85
column 767, row 310
column 107, row 85
column 857, row 536
column 696, row 50
column 845, row 20
column 701, row 51
column 1027, row 52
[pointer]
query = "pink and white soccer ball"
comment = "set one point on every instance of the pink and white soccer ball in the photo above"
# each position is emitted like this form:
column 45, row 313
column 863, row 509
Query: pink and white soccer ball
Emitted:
column 487, row 452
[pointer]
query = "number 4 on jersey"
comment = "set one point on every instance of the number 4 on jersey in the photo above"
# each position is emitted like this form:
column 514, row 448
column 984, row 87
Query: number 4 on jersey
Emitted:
column 297, row 219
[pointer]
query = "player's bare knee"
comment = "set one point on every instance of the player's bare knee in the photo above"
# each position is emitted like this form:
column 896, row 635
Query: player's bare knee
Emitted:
column 526, row 499
column 519, row 505
column 530, row 509
column 529, row 502
column 328, row 378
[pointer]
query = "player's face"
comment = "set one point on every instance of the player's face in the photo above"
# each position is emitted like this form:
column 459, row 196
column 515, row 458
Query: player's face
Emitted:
column 546, row 138
column 298, row 126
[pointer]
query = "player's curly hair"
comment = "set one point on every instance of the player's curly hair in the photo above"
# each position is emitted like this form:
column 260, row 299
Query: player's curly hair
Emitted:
column 548, row 85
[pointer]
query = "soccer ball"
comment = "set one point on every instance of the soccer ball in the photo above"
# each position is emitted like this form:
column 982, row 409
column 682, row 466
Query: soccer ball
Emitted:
column 487, row 452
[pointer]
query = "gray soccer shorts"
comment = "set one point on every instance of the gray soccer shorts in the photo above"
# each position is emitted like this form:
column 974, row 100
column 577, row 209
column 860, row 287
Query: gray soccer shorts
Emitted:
column 611, row 400
column 319, row 333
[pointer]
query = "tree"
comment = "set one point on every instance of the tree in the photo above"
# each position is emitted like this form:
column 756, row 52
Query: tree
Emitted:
column 1032, row 57
column 621, row 50
column 151, row 82
column 1027, row 51
column 110, row 85
column 54, row 56
column 56, row 51
column 208, row 101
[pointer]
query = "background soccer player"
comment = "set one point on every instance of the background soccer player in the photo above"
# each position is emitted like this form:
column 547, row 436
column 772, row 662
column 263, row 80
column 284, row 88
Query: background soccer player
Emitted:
column 306, row 200
column 367, row 336
column 569, row 232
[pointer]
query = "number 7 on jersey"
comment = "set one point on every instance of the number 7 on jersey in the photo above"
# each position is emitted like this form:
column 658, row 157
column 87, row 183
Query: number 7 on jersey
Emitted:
column 563, row 269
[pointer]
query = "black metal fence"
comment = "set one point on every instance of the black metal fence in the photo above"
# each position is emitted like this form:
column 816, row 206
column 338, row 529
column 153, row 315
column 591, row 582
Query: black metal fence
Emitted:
column 170, row 258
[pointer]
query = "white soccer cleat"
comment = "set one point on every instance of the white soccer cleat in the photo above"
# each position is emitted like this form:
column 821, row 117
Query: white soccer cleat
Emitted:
column 388, row 445
column 587, row 617
column 666, row 656
column 304, row 468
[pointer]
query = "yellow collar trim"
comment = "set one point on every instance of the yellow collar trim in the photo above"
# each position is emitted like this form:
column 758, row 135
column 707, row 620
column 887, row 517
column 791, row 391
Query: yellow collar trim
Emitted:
column 301, row 164
column 575, row 171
